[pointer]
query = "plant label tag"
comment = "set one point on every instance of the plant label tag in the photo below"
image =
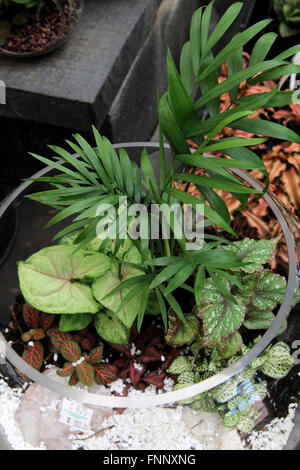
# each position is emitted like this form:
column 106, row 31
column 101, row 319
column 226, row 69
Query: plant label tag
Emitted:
column 75, row 415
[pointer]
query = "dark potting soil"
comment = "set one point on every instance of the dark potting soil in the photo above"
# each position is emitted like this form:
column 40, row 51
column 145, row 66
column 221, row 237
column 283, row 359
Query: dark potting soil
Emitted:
column 43, row 31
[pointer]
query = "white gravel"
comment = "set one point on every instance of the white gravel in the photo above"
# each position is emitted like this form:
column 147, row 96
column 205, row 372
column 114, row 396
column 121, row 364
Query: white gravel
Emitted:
column 275, row 434
column 149, row 429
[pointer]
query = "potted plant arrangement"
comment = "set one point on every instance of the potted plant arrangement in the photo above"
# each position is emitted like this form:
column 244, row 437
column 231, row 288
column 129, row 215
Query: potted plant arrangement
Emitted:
column 129, row 292
column 34, row 27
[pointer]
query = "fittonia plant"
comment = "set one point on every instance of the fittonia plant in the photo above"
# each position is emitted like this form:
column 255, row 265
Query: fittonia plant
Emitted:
column 207, row 298
column 233, row 399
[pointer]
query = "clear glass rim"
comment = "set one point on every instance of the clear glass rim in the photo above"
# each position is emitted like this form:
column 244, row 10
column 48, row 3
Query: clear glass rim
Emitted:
column 167, row 398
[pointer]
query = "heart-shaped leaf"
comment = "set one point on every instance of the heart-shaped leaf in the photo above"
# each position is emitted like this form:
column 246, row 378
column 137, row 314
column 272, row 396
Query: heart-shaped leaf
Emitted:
column 34, row 355
column 31, row 316
column 85, row 373
column 67, row 370
column 75, row 322
column 270, row 291
column 50, row 279
column 105, row 284
column 220, row 316
column 254, row 253
column 258, row 319
column 70, row 350
column 104, row 375
column 110, row 328
column 230, row 346
column 96, row 355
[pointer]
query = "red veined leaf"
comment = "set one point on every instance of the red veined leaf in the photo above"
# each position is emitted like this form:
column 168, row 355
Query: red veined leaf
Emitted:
column 58, row 337
column 113, row 368
column 37, row 333
column 135, row 372
column 34, row 355
column 85, row 343
column 96, row 355
column 155, row 379
column 67, row 370
column 73, row 379
column 120, row 347
column 70, row 350
column 54, row 350
column 103, row 374
column 31, row 316
column 46, row 320
column 85, row 373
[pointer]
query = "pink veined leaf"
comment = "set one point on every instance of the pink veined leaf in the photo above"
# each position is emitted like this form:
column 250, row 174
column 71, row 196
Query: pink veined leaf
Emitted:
column 121, row 347
column 103, row 374
column 58, row 337
column 70, row 350
column 34, row 355
column 96, row 354
column 85, row 373
column 67, row 370
column 73, row 379
column 31, row 316
column 46, row 320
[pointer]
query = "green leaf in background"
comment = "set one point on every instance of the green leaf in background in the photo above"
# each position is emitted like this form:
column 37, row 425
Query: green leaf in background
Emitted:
column 270, row 291
column 258, row 319
column 180, row 333
column 230, row 346
column 220, row 316
column 75, row 322
column 279, row 361
column 104, row 285
column 110, row 328
column 254, row 253
column 266, row 128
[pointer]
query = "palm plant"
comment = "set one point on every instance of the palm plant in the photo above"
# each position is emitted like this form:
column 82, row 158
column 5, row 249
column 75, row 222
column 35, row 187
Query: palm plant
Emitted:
column 159, row 270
